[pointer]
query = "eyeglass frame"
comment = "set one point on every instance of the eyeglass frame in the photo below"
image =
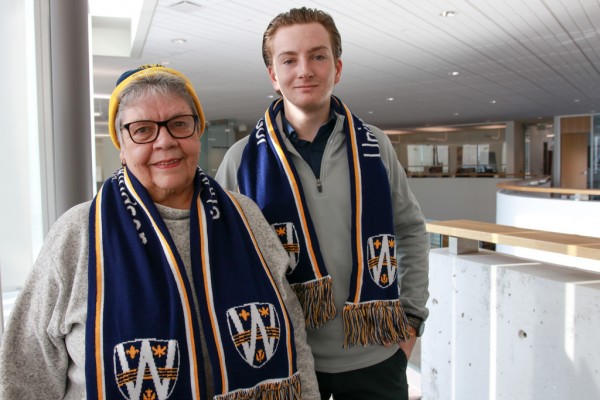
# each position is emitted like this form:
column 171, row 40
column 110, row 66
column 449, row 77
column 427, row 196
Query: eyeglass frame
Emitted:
column 161, row 124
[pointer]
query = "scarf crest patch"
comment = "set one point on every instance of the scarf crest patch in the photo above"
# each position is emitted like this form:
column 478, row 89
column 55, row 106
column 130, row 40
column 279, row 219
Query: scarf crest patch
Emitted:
column 286, row 232
column 372, row 313
column 143, row 329
column 146, row 368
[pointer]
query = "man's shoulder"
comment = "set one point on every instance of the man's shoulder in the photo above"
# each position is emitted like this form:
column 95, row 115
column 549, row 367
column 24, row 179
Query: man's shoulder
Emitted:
column 237, row 149
column 227, row 172
column 375, row 130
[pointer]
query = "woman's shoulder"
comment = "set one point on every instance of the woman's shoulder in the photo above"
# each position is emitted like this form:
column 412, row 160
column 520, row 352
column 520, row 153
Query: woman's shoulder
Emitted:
column 75, row 218
column 261, row 229
column 249, row 207
column 69, row 231
column 76, row 212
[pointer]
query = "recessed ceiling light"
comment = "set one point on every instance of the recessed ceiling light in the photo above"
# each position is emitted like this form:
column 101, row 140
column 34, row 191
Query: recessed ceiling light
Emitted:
column 370, row 112
column 448, row 13
column 453, row 73
column 493, row 101
column 270, row 96
column 390, row 99
column 178, row 41
column 456, row 114
column 576, row 101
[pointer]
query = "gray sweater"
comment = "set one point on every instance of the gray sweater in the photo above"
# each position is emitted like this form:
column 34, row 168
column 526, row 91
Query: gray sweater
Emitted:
column 330, row 211
column 43, row 348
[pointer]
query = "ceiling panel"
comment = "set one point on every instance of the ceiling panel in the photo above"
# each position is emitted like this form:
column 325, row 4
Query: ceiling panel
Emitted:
column 533, row 57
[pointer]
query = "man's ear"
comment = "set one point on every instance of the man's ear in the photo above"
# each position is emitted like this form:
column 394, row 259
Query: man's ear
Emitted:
column 273, row 77
column 338, row 70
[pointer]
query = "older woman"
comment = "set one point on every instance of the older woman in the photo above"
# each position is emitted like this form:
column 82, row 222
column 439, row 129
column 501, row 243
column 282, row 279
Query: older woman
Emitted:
column 165, row 285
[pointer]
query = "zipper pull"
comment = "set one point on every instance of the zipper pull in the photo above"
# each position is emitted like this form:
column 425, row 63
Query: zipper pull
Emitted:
column 319, row 186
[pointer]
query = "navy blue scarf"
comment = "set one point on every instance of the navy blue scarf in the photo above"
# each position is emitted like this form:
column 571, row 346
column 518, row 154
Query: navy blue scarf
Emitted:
column 372, row 313
column 142, row 332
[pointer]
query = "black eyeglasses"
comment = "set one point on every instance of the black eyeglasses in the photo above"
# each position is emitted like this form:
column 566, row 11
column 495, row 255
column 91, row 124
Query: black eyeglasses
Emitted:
column 180, row 127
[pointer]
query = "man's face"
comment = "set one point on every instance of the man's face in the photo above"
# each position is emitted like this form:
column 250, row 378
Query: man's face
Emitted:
column 304, row 69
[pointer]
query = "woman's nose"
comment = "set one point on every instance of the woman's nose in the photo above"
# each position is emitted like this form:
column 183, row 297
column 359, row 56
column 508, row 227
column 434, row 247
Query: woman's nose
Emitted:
column 164, row 137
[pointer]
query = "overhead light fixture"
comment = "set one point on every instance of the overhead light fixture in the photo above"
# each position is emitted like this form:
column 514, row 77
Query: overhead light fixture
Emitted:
column 448, row 14
column 453, row 73
column 493, row 101
column 390, row 99
column 185, row 7
column 396, row 132
column 178, row 41
column 441, row 129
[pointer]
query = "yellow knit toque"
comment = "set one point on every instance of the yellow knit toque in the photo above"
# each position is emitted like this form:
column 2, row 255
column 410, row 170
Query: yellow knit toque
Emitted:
column 128, row 77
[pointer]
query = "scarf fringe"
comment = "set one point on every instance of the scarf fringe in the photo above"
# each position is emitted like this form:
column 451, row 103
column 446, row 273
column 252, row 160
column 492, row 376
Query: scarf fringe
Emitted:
column 377, row 322
column 286, row 389
column 316, row 298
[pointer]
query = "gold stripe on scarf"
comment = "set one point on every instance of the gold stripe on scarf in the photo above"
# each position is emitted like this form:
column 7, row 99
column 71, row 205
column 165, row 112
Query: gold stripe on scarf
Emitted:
column 297, row 196
column 289, row 338
column 99, row 297
column 358, row 206
column 208, row 294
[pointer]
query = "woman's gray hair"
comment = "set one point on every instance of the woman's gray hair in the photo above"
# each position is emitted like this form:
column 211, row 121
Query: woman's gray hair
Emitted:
column 157, row 84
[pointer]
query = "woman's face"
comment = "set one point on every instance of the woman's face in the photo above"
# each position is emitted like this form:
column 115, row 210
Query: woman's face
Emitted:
column 167, row 166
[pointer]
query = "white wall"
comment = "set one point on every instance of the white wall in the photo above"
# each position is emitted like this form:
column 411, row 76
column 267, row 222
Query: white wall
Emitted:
column 553, row 215
column 457, row 198
column 107, row 158
column 20, row 209
column 45, row 111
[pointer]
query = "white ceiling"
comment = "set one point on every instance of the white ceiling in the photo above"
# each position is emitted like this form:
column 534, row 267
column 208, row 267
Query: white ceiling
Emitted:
column 517, row 59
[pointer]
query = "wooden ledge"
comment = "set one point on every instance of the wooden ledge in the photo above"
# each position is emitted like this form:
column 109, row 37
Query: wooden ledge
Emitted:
column 561, row 243
column 532, row 186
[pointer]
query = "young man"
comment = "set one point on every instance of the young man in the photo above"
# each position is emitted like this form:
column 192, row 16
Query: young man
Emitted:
column 335, row 193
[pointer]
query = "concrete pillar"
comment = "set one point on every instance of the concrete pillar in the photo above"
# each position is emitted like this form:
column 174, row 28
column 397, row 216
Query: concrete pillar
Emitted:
column 515, row 149
column 71, row 109
column 503, row 327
